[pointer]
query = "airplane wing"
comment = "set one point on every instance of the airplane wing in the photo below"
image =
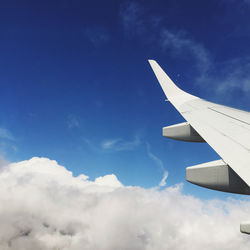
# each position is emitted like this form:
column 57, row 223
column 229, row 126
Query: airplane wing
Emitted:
column 225, row 129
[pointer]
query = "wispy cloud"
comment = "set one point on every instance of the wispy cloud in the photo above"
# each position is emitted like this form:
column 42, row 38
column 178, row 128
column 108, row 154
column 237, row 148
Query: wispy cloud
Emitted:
column 131, row 18
column 226, row 77
column 97, row 35
column 163, row 180
column 73, row 122
column 238, row 1
column 235, row 76
column 109, row 144
column 6, row 134
column 247, row 1
column 7, row 142
column 179, row 44
column 120, row 144
column 159, row 163
column 151, row 30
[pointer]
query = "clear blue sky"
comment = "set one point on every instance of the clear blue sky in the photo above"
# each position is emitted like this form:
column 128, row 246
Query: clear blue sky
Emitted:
column 76, row 87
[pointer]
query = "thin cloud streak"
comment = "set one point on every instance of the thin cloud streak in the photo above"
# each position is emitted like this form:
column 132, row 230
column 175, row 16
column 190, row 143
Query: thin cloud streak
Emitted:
column 159, row 163
column 121, row 145
column 7, row 143
column 163, row 180
column 109, row 144
column 6, row 134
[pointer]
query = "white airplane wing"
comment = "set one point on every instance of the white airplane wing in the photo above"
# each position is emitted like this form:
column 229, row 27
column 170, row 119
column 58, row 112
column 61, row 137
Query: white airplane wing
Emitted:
column 225, row 129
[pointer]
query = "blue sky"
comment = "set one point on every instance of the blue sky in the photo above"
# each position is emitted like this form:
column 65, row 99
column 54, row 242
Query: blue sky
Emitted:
column 75, row 84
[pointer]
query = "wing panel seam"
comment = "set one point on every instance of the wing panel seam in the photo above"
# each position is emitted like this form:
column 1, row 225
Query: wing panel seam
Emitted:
column 228, row 116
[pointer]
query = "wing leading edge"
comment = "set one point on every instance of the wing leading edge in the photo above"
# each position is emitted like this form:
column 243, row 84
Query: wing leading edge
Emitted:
column 225, row 129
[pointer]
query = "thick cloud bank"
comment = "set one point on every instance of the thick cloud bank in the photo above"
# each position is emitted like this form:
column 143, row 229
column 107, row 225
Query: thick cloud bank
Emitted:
column 43, row 207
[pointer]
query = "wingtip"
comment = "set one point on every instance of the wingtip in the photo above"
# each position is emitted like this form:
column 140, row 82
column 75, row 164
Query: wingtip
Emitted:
column 151, row 61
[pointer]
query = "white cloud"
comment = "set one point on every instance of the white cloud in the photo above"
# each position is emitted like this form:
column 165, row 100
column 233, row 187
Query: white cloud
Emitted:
column 109, row 181
column 44, row 207
column 3, row 162
column 121, row 145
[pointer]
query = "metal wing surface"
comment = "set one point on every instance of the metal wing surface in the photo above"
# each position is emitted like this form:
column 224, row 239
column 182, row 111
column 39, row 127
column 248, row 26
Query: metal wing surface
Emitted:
column 225, row 129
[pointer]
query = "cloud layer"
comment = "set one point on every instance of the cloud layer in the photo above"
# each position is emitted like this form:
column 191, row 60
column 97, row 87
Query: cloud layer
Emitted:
column 44, row 207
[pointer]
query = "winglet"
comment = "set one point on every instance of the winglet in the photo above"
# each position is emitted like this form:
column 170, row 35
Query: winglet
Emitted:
column 173, row 93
